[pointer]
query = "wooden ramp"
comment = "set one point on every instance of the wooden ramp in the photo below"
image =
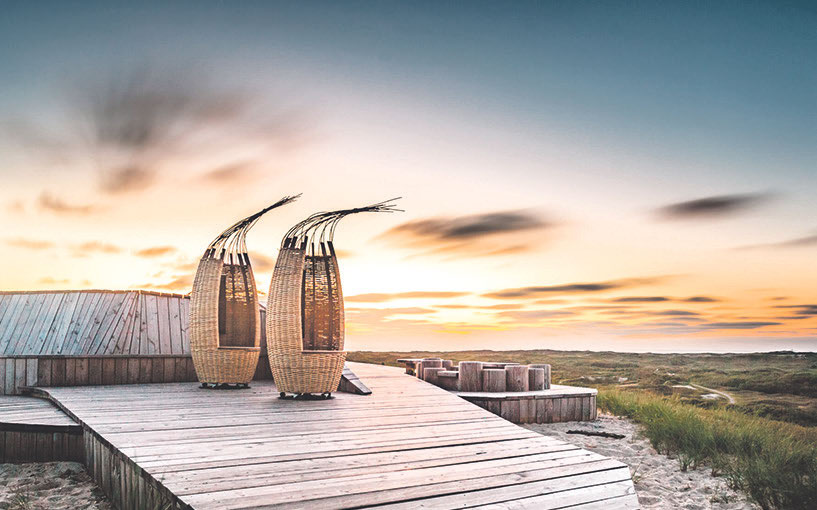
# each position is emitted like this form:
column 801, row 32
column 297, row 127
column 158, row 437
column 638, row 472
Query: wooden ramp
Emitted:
column 407, row 445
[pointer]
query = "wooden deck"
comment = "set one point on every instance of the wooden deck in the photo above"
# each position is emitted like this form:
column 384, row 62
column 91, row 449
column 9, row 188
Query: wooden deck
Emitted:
column 408, row 445
column 34, row 430
column 32, row 411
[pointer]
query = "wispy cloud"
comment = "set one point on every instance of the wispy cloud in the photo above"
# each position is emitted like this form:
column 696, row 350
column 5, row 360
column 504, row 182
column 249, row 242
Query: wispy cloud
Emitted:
column 738, row 325
column 182, row 284
column 48, row 280
column 797, row 242
column 674, row 313
column 16, row 207
column 229, row 173
column 701, row 299
column 534, row 315
column 155, row 251
column 474, row 235
column 382, row 297
column 641, row 299
column 713, row 206
column 135, row 124
column 95, row 247
column 570, row 288
column 30, row 244
column 807, row 310
column 49, row 202
column 261, row 263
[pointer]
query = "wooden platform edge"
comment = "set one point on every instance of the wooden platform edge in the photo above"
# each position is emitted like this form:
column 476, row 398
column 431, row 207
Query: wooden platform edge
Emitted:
column 40, row 442
column 126, row 484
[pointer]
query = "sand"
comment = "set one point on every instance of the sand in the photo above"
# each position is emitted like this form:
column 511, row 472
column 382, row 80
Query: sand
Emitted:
column 659, row 481
column 49, row 486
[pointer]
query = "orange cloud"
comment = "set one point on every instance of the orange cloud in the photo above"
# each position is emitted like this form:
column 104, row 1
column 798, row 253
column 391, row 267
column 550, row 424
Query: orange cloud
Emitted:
column 155, row 251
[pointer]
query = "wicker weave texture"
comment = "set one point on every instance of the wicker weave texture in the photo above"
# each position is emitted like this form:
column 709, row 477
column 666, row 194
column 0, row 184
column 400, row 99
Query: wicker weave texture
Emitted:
column 290, row 305
column 234, row 365
column 225, row 318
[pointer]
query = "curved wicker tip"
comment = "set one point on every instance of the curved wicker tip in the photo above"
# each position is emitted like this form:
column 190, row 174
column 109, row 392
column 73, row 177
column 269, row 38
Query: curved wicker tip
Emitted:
column 232, row 239
column 319, row 224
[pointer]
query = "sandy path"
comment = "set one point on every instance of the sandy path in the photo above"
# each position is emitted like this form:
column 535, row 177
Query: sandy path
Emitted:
column 659, row 481
column 729, row 397
column 49, row 486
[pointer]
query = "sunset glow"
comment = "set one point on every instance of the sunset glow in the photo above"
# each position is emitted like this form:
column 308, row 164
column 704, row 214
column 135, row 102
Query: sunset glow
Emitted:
column 560, row 189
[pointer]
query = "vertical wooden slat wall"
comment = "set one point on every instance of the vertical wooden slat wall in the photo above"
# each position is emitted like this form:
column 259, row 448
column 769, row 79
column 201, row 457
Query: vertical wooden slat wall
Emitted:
column 97, row 337
column 542, row 409
column 42, row 371
column 19, row 446
column 127, row 485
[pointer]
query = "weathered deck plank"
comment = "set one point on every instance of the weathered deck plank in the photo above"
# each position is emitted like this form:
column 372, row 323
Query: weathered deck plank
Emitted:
column 408, row 444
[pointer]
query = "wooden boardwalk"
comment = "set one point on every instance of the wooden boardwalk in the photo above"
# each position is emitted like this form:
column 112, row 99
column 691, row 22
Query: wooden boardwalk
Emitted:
column 32, row 411
column 34, row 430
column 408, row 445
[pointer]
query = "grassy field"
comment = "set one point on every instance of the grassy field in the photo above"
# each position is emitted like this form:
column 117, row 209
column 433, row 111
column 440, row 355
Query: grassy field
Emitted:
column 764, row 443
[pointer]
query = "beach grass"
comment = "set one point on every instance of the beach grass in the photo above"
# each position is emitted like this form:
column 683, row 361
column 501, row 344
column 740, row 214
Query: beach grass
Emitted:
column 774, row 463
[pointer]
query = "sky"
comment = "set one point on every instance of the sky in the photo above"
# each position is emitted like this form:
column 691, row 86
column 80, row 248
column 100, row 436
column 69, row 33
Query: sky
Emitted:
column 629, row 176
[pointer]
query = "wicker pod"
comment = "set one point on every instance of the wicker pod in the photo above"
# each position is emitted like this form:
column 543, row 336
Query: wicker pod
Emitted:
column 305, row 317
column 225, row 329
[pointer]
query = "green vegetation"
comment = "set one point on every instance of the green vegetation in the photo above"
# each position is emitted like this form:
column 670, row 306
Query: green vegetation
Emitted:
column 774, row 463
column 777, row 385
column 765, row 444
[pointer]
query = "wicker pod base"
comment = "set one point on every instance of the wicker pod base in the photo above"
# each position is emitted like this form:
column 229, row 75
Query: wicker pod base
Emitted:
column 224, row 386
column 307, row 372
column 226, row 366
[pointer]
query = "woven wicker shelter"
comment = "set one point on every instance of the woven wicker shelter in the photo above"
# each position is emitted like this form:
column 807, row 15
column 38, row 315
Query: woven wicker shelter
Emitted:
column 305, row 319
column 225, row 324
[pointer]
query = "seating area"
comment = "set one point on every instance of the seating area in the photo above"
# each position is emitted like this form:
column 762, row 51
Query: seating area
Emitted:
column 518, row 393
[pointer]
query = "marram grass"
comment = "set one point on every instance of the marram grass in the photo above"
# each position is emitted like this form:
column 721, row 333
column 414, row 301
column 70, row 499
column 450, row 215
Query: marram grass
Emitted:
column 774, row 463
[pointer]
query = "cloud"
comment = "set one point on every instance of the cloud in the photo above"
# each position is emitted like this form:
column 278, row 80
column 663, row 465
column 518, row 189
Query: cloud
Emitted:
column 701, row 299
column 797, row 242
column 637, row 299
column 155, row 251
column 502, row 306
column 52, row 281
column 532, row 315
column 49, row 202
column 374, row 318
column 381, row 297
column 95, row 247
column 182, row 284
column 261, row 262
column 570, row 288
column 663, row 299
column 806, row 310
column 475, row 234
column 712, row 207
column 30, row 244
column 738, row 325
column 675, row 313
column 229, row 173
column 16, row 207
column 134, row 124
column 137, row 117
